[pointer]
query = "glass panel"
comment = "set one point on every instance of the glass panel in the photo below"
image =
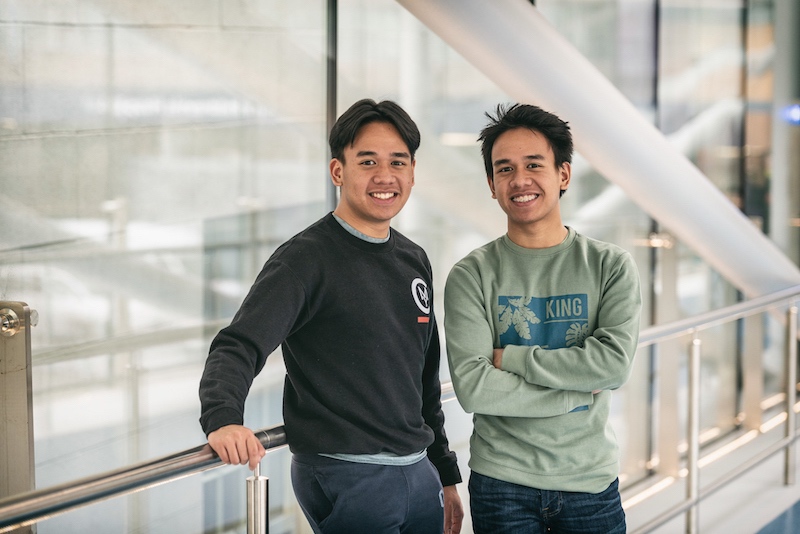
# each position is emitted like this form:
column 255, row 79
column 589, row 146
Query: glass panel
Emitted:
column 718, row 380
column 700, row 106
column 700, row 91
column 630, row 418
column 153, row 153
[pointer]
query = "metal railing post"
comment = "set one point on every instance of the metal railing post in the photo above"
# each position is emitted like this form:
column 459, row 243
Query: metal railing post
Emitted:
column 16, row 400
column 257, row 503
column 693, row 439
column 17, row 474
column 753, row 372
column 791, row 393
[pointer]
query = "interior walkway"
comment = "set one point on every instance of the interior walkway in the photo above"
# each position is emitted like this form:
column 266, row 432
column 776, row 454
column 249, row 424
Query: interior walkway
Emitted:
column 757, row 503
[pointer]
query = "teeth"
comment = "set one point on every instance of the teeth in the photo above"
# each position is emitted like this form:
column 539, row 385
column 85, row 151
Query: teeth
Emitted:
column 383, row 196
column 525, row 198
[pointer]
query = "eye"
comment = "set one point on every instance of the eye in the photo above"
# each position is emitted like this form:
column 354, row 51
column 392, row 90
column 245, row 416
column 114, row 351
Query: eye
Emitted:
column 399, row 163
column 367, row 162
column 533, row 165
column 503, row 169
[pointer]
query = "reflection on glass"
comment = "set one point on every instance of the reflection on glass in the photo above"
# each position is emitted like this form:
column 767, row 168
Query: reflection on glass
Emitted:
column 152, row 156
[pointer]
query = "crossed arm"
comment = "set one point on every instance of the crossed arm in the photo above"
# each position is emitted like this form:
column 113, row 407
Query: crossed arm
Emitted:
column 480, row 387
column 531, row 381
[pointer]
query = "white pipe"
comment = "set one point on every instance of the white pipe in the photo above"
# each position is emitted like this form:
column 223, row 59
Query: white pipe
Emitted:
column 694, row 134
column 513, row 44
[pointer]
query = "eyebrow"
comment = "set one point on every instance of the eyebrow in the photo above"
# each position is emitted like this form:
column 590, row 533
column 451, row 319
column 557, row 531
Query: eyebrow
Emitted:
column 532, row 157
column 362, row 153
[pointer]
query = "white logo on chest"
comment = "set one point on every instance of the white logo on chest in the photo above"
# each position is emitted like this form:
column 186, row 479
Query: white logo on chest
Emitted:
column 419, row 289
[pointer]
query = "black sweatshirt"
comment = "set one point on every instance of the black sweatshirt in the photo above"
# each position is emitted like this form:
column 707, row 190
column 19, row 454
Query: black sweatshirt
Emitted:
column 360, row 344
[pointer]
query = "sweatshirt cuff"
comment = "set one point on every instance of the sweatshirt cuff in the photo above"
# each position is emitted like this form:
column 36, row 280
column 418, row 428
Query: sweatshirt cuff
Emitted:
column 448, row 470
column 219, row 418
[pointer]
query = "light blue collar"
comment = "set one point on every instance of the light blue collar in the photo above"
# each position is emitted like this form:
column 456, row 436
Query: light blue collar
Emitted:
column 358, row 234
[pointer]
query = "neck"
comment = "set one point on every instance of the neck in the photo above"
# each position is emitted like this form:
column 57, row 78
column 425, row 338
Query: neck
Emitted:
column 538, row 238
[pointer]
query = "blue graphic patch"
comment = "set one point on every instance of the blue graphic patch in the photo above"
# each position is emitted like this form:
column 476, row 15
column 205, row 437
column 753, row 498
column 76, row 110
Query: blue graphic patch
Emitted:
column 551, row 322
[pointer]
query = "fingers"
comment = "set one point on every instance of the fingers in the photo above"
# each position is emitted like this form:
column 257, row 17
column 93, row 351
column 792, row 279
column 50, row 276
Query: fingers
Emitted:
column 452, row 525
column 255, row 452
column 237, row 445
column 453, row 511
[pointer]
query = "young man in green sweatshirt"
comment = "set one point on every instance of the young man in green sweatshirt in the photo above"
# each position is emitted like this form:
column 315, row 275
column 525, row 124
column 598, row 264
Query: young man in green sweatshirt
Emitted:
column 541, row 324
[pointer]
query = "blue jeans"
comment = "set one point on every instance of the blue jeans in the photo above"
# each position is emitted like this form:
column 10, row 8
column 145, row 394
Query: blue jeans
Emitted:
column 352, row 498
column 499, row 507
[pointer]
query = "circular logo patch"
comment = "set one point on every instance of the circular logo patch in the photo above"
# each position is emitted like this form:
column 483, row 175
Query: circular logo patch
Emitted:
column 419, row 289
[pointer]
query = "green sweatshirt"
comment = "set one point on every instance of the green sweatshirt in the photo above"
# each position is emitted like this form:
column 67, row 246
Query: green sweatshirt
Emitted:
column 568, row 317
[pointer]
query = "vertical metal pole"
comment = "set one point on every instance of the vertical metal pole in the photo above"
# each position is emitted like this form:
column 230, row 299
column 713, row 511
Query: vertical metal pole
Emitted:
column 791, row 393
column 668, row 368
column 331, row 197
column 257, row 503
column 785, row 153
column 16, row 401
column 693, row 438
column 753, row 371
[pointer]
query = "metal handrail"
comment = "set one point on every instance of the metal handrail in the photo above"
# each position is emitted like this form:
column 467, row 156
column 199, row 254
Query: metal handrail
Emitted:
column 709, row 490
column 694, row 494
column 659, row 333
column 28, row 508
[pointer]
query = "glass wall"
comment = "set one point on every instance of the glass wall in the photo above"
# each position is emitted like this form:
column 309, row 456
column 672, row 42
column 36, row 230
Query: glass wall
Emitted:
column 700, row 99
column 153, row 154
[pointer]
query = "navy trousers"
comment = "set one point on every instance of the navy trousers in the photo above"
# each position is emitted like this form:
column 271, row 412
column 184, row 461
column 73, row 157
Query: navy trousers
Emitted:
column 351, row 498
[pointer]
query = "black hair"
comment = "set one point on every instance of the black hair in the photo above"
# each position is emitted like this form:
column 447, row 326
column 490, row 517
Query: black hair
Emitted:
column 344, row 131
column 508, row 117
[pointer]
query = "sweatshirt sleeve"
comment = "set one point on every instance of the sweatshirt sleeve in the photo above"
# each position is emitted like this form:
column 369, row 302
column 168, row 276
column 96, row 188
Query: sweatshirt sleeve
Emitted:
column 240, row 350
column 606, row 357
column 439, row 452
column 479, row 386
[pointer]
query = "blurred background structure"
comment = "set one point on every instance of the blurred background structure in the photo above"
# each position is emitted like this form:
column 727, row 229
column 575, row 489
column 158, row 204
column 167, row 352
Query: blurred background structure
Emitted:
column 154, row 153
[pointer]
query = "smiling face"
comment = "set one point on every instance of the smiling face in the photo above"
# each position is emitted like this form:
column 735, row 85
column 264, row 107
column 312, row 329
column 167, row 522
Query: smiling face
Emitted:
column 375, row 175
column 527, row 185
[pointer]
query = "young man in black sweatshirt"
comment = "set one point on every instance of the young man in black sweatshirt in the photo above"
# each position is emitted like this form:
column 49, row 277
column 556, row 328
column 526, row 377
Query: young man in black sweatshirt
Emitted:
column 349, row 300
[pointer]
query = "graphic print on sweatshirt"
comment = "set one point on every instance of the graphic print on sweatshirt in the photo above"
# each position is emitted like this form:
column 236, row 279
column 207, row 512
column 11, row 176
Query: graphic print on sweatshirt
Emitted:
column 553, row 322
column 419, row 290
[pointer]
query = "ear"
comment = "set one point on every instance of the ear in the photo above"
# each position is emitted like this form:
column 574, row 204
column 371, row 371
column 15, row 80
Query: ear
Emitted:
column 565, row 174
column 336, row 172
column 413, row 166
column 490, row 180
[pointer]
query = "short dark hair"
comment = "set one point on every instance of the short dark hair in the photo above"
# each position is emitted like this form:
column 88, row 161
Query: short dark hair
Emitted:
column 344, row 131
column 508, row 117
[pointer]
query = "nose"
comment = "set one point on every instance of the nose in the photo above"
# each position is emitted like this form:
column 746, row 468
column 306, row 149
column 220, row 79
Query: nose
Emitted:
column 384, row 173
column 520, row 179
